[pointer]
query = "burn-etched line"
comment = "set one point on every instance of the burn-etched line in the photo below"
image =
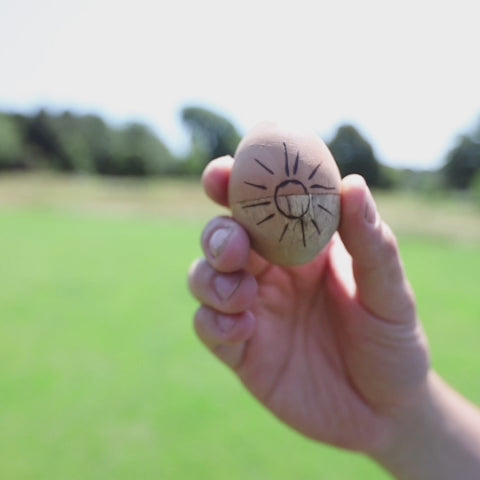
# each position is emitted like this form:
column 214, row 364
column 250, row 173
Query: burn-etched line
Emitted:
column 303, row 232
column 287, row 168
column 325, row 209
column 323, row 187
column 269, row 217
column 261, row 187
column 285, row 228
column 314, row 171
column 270, row 171
column 259, row 204
column 295, row 167
column 316, row 226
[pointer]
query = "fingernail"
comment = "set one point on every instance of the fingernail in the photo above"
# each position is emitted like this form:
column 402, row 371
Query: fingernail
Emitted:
column 218, row 240
column 370, row 209
column 225, row 323
column 225, row 285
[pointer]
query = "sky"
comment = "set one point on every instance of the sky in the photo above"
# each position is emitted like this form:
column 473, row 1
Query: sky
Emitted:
column 406, row 74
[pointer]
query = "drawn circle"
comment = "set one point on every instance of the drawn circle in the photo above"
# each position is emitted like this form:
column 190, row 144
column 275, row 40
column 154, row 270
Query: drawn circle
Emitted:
column 285, row 205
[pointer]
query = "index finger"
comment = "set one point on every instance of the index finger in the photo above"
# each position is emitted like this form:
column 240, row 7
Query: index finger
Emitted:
column 215, row 179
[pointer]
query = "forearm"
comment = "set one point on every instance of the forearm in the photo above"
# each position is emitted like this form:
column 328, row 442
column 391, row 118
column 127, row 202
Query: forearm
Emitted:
column 439, row 439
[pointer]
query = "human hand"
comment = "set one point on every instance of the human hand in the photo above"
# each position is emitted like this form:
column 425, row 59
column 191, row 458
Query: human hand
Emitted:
column 333, row 348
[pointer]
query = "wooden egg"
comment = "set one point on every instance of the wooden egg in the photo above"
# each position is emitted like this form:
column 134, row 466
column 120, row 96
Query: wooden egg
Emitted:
column 285, row 191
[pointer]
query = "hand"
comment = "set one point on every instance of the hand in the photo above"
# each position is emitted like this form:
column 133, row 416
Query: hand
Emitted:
column 333, row 348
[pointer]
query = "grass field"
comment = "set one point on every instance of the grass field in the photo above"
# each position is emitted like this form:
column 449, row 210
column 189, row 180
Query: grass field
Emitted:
column 101, row 376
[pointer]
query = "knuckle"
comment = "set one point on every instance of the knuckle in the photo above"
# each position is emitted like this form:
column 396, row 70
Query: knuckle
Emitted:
column 228, row 292
column 194, row 267
column 199, row 275
column 245, row 294
column 214, row 224
column 233, row 292
column 191, row 275
column 410, row 299
column 202, row 315
column 203, row 322
column 389, row 246
column 226, row 244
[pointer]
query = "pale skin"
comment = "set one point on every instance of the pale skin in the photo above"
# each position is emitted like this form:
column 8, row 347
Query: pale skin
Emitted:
column 334, row 348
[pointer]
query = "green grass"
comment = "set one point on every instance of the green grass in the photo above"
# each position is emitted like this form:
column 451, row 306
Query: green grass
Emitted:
column 445, row 278
column 101, row 376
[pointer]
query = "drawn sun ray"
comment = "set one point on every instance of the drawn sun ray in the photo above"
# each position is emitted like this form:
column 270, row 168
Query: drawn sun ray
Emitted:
column 269, row 170
column 256, row 185
column 269, row 217
column 285, row 228
column 314, row 171
column 302, row 225
column 287, row 168
column 259, row 204
column 314, row 223
column 325, row 209
column 323, row 187
column 295, row 167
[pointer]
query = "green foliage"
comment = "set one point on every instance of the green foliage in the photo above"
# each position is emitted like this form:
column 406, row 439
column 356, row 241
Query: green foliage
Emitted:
column 136, row 150
column 426, row 181
column 44, row 141
column 212, row 135
column 463, row 161
column 354, row 154
column 70, row 142
column 11, row 143
column 74, row 141
column 192, row 165
column 475, row 187
column 85, row 143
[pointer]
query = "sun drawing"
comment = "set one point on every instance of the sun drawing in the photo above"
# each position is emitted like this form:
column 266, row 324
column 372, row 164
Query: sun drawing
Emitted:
column 295, row 196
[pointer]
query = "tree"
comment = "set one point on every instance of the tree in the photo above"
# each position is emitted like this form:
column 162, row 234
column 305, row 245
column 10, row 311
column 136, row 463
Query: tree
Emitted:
column 475, row 187
column 74, row 141
column 212, row 135
column 43, row 137
column 98, row 136
column 140, row 152
column 355, row 155
column 463, row 161
column 85, row 143
column 11, row 143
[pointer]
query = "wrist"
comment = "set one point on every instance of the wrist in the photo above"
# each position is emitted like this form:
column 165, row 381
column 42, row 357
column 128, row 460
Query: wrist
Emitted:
column 436, row 437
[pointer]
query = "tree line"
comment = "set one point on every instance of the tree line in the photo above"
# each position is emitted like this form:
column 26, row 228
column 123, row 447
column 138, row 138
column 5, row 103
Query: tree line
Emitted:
column 69, row 142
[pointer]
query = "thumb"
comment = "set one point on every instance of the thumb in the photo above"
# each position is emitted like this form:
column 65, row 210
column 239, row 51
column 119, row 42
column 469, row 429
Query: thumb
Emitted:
column 382, row 286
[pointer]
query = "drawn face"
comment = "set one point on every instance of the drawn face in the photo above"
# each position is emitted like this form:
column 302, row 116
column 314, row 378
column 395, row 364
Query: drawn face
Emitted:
column 292, row 198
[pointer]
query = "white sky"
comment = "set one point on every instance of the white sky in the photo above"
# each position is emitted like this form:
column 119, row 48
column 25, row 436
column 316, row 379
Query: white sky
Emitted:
column 406, row 73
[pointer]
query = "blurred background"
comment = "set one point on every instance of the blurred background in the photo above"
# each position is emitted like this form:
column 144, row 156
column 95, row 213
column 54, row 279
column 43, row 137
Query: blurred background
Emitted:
column 109, row 111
